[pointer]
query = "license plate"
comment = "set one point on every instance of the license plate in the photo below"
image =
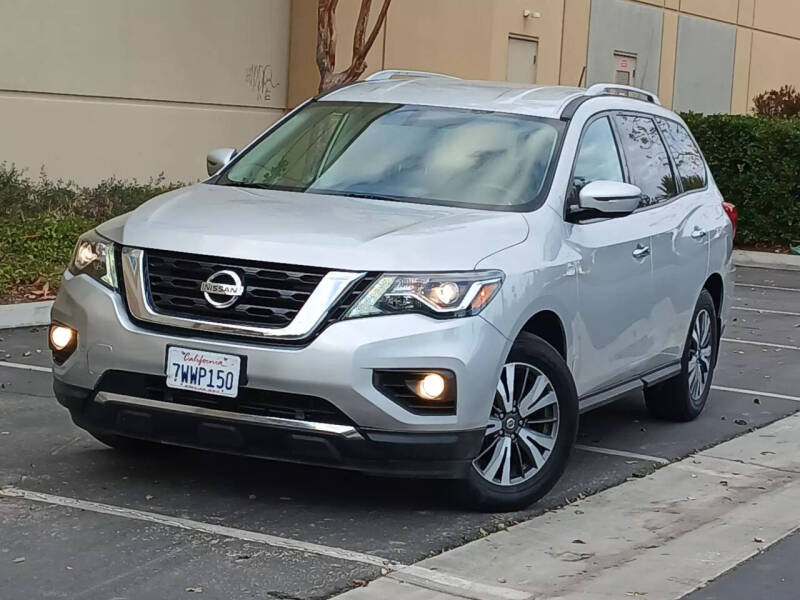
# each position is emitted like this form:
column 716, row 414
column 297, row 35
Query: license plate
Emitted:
column 201, row 371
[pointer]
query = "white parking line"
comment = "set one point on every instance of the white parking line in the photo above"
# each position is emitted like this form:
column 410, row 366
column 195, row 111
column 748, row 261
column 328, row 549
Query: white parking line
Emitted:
column 623, row 453
column 755, row 343
column 768, row 312
column 755, row 393
column 768, row 287
column 421, row 576
column 180, row 523
column 25, row 367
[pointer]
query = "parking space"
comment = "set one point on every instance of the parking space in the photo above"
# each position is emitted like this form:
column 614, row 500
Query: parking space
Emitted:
column 72, row 553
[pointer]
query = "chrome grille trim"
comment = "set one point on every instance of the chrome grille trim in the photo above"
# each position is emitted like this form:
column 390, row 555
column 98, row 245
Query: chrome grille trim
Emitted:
column 333, row 286
column 345, row 431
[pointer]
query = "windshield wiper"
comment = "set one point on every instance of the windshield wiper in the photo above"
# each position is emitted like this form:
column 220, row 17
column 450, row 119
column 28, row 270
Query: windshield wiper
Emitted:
column 367, row 195
column 261, row 186
column 287, row 188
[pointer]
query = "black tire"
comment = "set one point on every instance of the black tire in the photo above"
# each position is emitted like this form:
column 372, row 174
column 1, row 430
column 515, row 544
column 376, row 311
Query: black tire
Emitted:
column 482, row 494
column 672, row 399
column 124, row 444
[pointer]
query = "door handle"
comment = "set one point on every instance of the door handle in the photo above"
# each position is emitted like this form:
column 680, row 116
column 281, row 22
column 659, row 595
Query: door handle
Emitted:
column 641, row 252
column 698, row 233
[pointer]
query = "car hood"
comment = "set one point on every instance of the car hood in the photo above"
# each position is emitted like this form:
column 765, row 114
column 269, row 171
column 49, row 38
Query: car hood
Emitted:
column 316, row 230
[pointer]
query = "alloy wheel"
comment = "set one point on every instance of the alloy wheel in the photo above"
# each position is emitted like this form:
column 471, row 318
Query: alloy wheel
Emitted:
column 700, row 350
column 522, row 428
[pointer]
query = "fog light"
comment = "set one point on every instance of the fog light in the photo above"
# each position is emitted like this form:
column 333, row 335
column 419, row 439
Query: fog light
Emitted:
column 419, row 391
column 63, row 341
column 431, row 386
column 61, row 337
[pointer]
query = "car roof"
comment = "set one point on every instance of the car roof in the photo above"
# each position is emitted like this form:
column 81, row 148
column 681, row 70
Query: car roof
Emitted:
column 537, row 100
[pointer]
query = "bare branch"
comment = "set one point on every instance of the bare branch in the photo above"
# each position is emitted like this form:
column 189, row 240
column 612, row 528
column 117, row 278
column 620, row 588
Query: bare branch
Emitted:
column 377, row 28
column 326, row 42
column 361, row 27
column 326, row 38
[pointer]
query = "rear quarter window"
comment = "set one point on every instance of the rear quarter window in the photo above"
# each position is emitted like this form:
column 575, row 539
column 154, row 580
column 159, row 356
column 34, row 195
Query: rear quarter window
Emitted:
column 687, row 157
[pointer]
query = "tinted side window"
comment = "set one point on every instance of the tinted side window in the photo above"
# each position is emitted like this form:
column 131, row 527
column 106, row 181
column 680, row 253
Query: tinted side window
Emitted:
column 648, row 161
column 598, row 157
column 691, row 167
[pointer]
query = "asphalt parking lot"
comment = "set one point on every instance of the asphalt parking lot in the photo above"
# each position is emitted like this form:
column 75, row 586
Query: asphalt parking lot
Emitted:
column 176, row 523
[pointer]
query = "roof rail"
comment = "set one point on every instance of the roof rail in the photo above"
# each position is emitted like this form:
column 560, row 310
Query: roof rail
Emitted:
column 389, row 73
column 603, row 89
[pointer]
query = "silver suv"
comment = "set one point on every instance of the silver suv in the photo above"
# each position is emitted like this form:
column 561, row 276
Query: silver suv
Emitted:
column 417, row 277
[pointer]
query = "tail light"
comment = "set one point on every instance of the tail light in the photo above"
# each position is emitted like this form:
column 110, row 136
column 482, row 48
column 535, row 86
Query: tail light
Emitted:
column 733, row 215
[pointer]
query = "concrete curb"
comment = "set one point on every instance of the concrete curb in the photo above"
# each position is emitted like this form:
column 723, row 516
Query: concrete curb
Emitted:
column 766, row 260
column 664, row 535
column 25, row 315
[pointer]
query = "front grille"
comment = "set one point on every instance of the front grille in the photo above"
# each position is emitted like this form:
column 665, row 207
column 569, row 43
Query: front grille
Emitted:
column 273, row 293
column 249, row 401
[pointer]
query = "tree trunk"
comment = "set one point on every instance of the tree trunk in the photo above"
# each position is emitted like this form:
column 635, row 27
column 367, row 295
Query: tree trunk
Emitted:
column 326, row 43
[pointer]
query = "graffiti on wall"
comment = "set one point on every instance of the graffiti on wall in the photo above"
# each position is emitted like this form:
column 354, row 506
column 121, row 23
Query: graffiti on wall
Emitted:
column 259, row 78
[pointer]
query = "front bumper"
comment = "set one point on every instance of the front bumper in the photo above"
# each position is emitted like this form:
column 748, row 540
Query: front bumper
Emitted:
column 445, row 455
column 336, row 366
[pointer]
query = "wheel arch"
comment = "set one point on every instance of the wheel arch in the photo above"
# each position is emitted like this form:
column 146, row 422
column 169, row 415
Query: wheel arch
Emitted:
column 716, row 287
column 547, row 325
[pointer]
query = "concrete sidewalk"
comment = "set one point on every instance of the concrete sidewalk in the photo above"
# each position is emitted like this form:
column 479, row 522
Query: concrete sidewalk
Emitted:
column 659, row 537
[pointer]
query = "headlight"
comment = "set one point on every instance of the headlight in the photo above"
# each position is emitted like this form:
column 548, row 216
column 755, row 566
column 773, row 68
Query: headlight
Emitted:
column 94, row 256
column 440, row 295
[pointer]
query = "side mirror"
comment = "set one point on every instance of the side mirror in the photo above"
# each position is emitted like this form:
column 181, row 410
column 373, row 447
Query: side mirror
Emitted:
column 610, row 197
column 218, row 158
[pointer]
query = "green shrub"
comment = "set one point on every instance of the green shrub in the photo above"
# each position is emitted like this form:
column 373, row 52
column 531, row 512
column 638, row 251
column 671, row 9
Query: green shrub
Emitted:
column 40, row 221
column 756, row 164
column 37, row 247
column 21, row 196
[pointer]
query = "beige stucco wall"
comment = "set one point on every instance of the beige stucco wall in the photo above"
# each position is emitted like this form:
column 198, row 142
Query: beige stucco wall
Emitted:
column 774, row 61
column 449, row 36
column 469, row 38
column 767, row 44
column 721, row 10
column 546, row 28
column 575, row 41
column 97, row 88
column 740, row 94
column 669, row 47
column 777, row 16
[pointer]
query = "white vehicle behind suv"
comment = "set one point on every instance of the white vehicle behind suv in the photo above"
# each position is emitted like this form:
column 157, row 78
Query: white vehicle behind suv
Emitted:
column 419, row 277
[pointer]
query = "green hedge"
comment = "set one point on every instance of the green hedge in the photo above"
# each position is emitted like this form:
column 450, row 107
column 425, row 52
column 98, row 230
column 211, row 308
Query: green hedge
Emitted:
column 40, row 220
column 756, row 164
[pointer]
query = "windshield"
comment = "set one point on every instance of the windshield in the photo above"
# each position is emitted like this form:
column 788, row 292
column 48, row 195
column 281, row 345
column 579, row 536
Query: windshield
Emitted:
column 404, row 152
